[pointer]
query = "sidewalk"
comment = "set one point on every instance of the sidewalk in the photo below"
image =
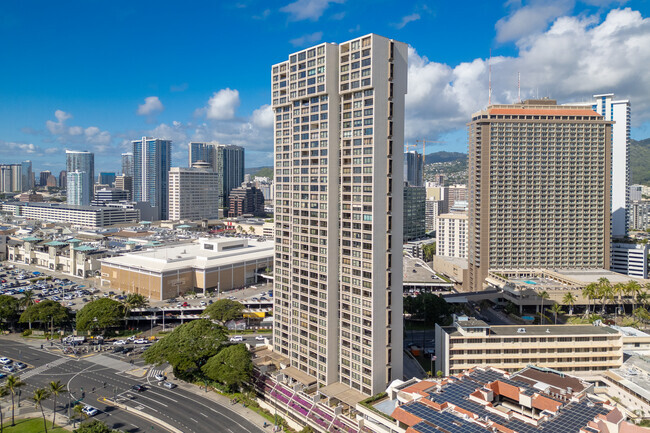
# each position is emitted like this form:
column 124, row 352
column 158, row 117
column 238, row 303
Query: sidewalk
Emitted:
column 249, row 415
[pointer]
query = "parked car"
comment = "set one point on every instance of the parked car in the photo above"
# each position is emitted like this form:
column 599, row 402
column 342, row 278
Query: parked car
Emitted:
column 20, row 365
column 5, row 361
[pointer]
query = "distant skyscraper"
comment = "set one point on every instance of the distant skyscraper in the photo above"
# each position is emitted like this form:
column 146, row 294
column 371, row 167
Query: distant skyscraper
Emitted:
column 106, row 178
column 205, row 152
column 193, row 192
column 124, row 183
column 413, row 168
column 619, row 113
column 42, row 178
column 17, row 177
column 339, row 135
column 230, row 163
column 63, row 179
column 151, row 164
column 51, row 181
column 78, row 191
column 539, row 188
column 11, row 179
column 27, row 175
column 127, row 164
column 82, row 161
column 246, row 200
column 636, row 192
column 415, row 198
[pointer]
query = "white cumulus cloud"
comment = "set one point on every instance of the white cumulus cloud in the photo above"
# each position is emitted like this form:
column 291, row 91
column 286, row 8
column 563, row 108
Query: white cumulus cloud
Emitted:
column 303, row 40
column 263, row 117
column 307, row 9
column 407, row 19
column 530, row 19
column 574, row 59
column 223, row 104
column 151, row 105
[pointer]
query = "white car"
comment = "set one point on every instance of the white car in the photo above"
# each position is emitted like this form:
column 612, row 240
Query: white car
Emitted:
column 9, row 368
column 119, row 343
column 5, row 361
column 140, row 341
column 237, row 339
column 159, row 377
column 202, row 304
column 259, row 338
column 89, row 410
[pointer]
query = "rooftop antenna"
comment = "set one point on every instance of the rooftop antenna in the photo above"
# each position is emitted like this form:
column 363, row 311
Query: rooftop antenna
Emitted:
column 519, row 87
column 490, row 79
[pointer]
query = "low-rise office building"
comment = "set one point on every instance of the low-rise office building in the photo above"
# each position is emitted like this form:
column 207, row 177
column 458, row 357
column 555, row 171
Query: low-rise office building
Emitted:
column 85, row 216
column 215, row 264
column 578, row 349
column 68, row 257
column 451, row 235
column 630, row 259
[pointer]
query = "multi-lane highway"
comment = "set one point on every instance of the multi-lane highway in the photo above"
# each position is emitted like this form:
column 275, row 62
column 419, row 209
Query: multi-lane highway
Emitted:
column 100, row 376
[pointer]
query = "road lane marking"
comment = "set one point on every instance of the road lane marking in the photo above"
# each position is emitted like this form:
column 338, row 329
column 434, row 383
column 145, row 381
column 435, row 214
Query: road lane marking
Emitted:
column 204, row 414
column 162, row 395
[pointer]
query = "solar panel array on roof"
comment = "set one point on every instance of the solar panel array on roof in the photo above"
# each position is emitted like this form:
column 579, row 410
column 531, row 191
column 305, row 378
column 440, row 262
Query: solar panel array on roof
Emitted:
column 571, row 418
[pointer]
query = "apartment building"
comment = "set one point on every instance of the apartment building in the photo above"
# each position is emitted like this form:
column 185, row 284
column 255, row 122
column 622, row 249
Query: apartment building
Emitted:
column 618, row 111
column 451, row 236
column 151, row 163
column 630, row 259
column 639, row 214
column 338, row 266
column 80, row 161
column 578, row 349
column 414, row 212
column 193, row 193
column 86, row 216
column 78, row 191
column 539, row 188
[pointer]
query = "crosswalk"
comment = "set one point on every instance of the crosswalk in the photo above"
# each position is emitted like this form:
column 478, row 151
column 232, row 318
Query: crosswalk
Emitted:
column 42, row 368
column 153, row 372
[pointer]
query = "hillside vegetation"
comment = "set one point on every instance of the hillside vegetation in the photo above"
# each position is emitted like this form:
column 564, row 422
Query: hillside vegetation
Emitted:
column 640, row 161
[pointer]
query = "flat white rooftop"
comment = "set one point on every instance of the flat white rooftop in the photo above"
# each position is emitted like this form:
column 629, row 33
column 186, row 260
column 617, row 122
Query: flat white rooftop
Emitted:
column 206, row 253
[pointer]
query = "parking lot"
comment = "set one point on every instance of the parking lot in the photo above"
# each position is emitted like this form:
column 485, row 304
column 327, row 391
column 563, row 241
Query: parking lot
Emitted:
column 16, row 282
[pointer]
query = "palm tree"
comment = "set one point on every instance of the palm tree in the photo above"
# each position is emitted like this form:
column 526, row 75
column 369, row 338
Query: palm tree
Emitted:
column 604, row 291
column 633, row 289
column 55, row 389
column 590, row 292
column 12, row 384
column 3, row 393
column 642, row 297
column 39, row 395
column 26, row 301
column 556, row 309
column 542, row 295
column 618, row 291
column 570, row 300
column 78, row 413
column 134, row 300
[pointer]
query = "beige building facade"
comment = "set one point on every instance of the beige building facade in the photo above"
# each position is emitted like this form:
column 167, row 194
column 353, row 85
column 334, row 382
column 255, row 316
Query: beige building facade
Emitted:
column 451, row 235
column 577, row 349
column 216, row 265
column 339, row 134
column 539, row 188
column 193, row 193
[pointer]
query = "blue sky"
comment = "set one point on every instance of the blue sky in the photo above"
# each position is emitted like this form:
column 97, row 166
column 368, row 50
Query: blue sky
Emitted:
column 95, row 74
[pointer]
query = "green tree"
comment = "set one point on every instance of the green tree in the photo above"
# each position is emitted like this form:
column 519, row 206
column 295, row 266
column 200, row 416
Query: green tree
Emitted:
column 188, row 347
column 642, row 314
column 590, row 292
column 428, row 251
column 605, row 292
column 542, row 295
column 12, row 384
column 633, row 289
column 556, row 309
column 3, row 394
column 619, row 290
column 134, row 300
column 101, row 314
column 439, row 374
column 8, row 309
column 570, row 300
column 94, row 426
column 46, row 312
column 55, row 388
column 39, row 395
column 78, row 413
column 27, row 299
column 224, row 310
column 428, row 307
column 232, row 366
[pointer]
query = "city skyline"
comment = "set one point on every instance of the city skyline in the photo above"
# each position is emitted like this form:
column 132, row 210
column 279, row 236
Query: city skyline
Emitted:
column 48, row 110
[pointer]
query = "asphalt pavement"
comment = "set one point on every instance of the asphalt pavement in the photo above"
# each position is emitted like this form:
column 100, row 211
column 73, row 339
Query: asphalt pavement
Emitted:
column 96, row 377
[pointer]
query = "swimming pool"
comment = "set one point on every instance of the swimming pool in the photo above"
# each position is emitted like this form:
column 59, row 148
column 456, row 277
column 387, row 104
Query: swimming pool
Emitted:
column 528, row 318
column 530, row 282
